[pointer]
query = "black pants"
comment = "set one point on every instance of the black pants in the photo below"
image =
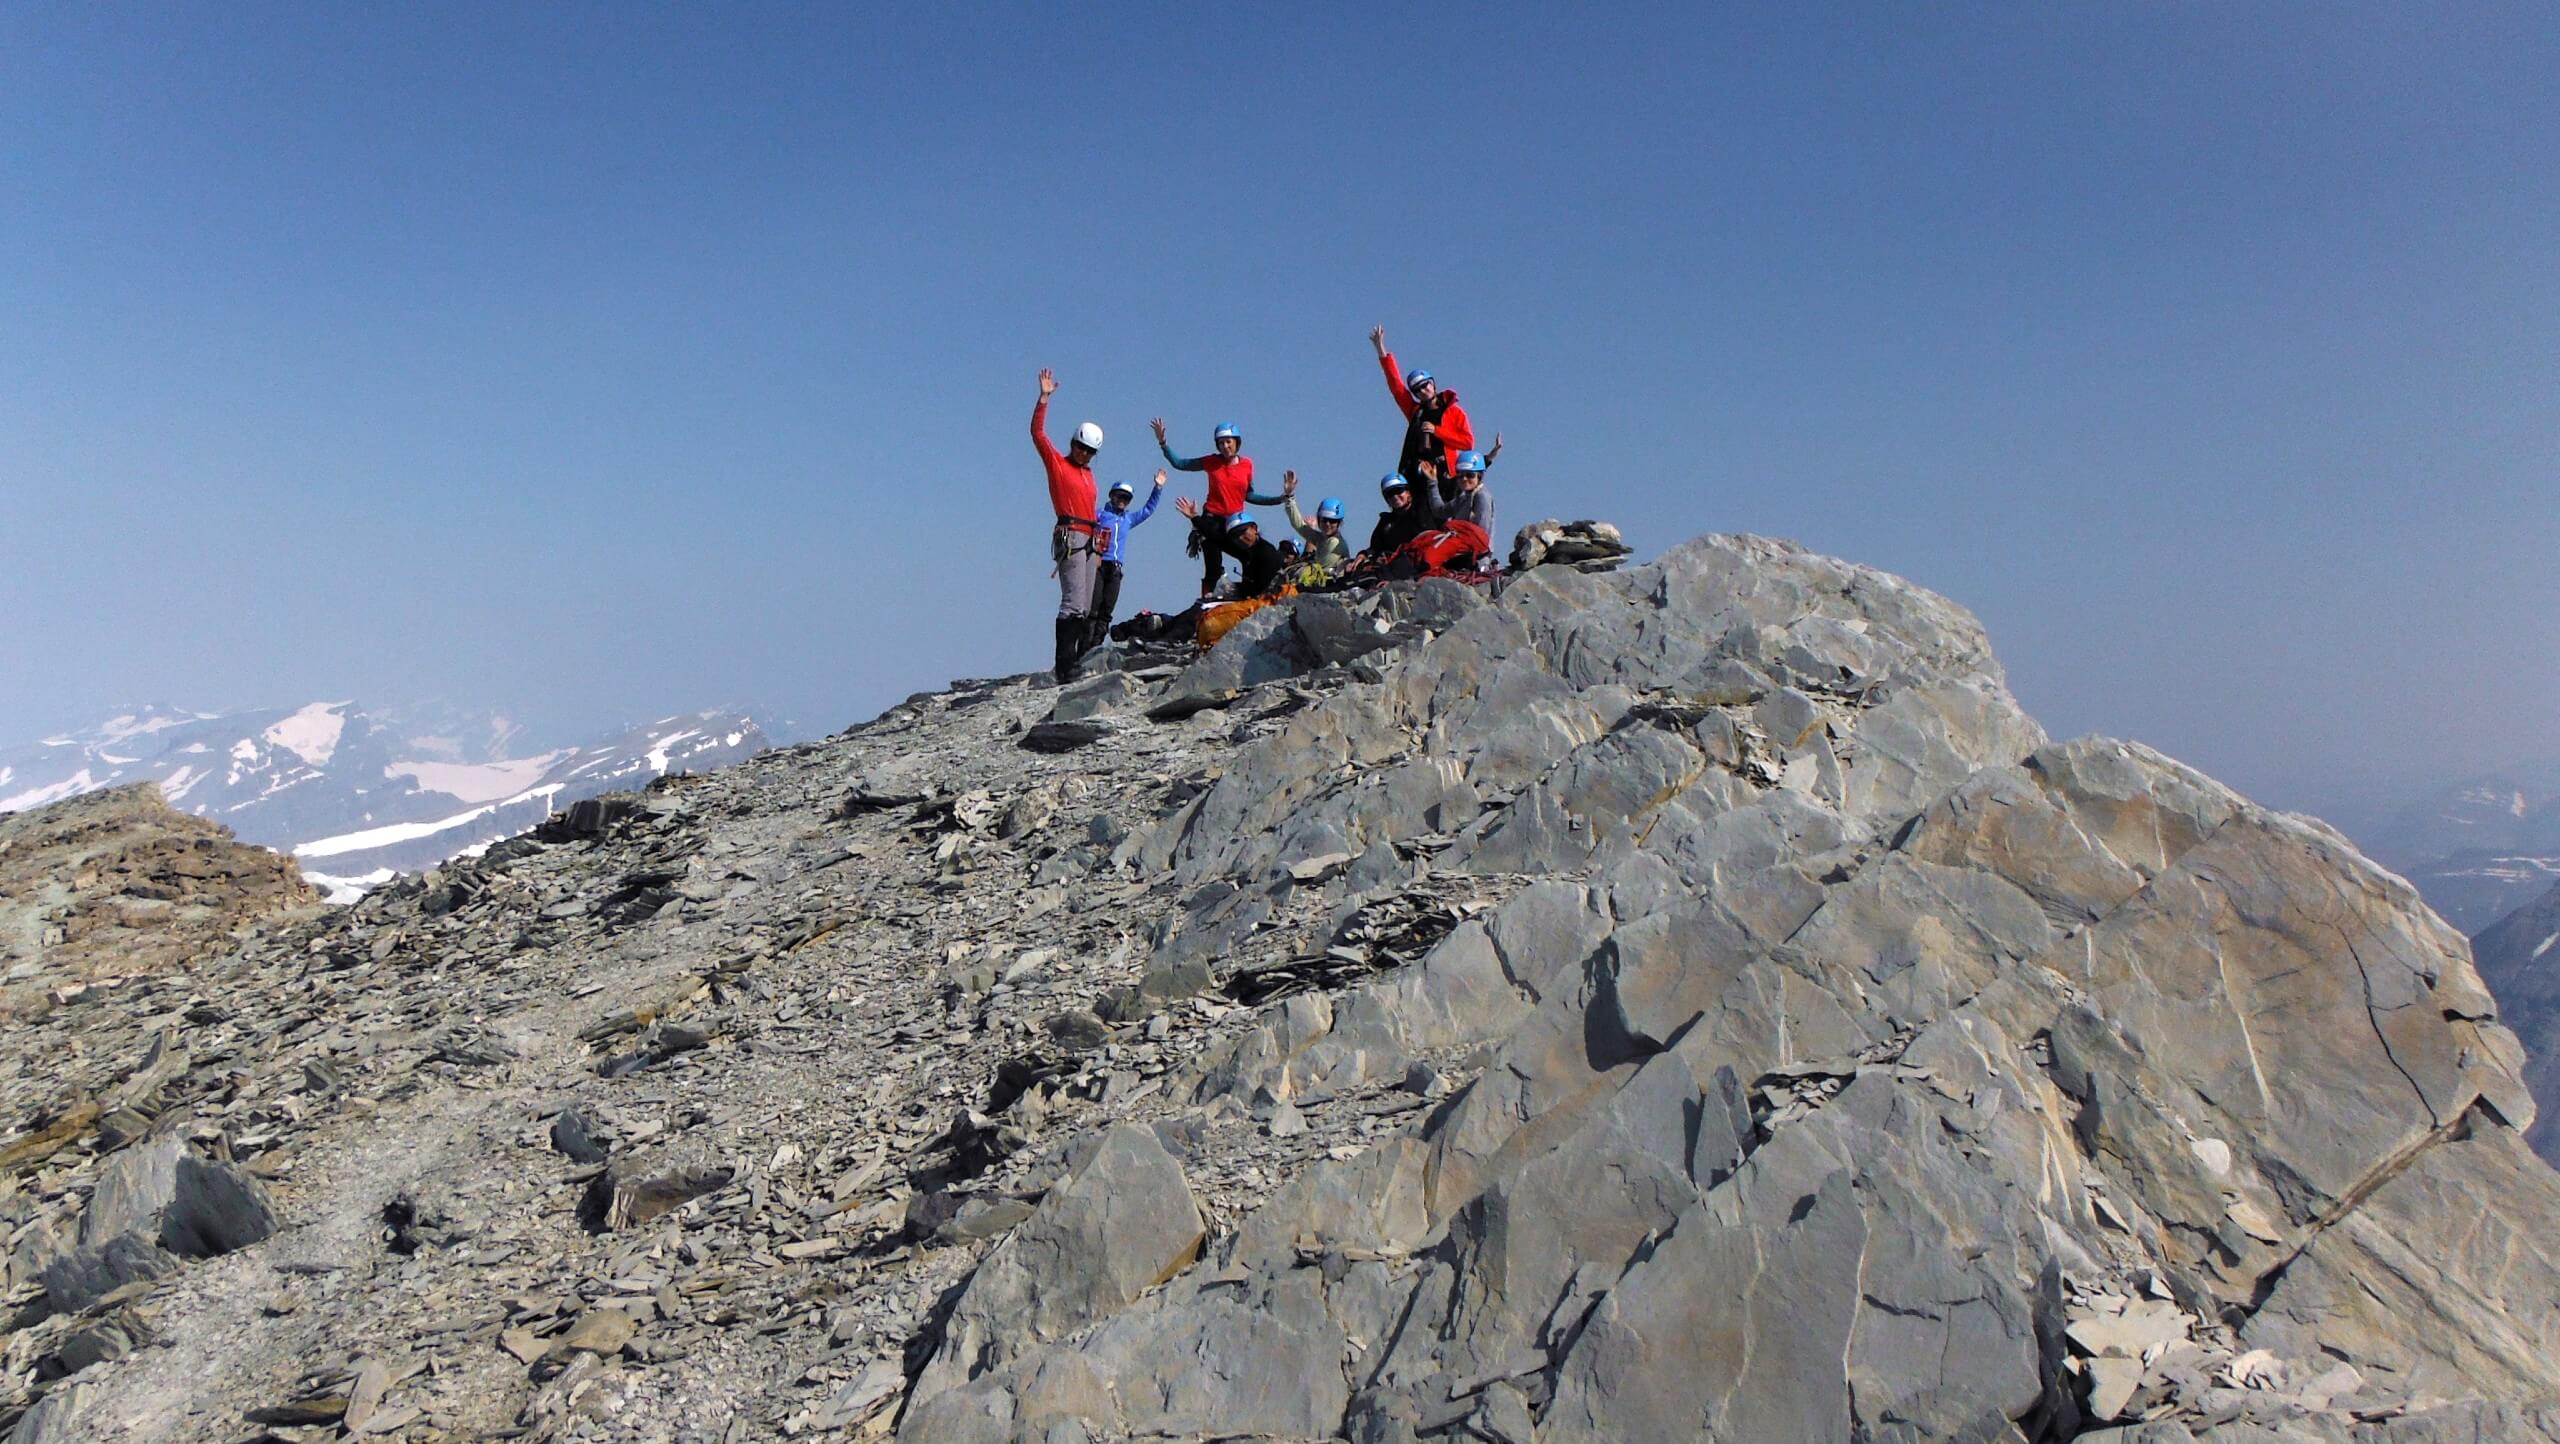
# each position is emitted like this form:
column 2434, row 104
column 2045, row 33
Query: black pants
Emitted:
column 1106, row 595
column 1213, row 562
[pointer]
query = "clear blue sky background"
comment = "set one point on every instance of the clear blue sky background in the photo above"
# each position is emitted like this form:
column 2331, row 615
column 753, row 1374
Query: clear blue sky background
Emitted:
column 601, row 361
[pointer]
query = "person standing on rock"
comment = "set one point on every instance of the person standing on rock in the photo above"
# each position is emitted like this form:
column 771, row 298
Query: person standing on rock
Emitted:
column 1230, row 474
column 1073, row 544
column 1436, row 427
column 1116, row 522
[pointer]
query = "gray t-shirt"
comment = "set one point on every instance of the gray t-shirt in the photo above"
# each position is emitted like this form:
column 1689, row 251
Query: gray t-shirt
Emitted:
column 1473, row 506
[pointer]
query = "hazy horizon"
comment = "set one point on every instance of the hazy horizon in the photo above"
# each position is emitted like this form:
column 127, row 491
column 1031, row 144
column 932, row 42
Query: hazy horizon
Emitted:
column 595, row 364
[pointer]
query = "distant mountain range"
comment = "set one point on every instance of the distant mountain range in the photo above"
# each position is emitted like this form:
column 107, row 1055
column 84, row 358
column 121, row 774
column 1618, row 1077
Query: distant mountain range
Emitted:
column 2477, row 849
column 358, row 796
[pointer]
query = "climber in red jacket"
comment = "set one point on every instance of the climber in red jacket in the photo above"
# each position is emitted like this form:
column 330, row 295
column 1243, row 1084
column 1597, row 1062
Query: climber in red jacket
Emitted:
column 1073, row 542
column 1436, row 428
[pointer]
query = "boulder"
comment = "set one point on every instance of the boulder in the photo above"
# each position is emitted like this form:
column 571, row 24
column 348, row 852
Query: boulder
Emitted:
column 191, row 1206
column 1121, row 1222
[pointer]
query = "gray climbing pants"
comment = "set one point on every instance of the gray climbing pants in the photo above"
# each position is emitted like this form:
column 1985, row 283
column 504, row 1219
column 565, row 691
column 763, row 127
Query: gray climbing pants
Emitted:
column 1075, row 552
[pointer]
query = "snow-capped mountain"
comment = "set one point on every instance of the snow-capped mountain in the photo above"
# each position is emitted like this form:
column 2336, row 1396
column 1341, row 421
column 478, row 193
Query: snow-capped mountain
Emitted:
column 357, row 795
column 2478, row 849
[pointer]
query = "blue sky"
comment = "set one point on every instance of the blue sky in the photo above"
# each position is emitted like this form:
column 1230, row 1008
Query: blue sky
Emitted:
column 596, row 362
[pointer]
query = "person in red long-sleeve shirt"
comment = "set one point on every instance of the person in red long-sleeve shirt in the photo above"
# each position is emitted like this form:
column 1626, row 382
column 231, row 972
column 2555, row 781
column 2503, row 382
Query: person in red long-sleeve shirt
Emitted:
column 1436, row 427
column 1230, row 474
column 1072, row 544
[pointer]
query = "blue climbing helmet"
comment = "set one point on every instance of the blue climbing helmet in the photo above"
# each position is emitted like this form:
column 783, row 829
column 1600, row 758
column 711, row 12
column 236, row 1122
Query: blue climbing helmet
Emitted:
column 1393, row 482
column 1471, row 461
column 1330, row 509
column 1240, row 521
column 1227, row 431
column 1415, row 377
column 1123, row 491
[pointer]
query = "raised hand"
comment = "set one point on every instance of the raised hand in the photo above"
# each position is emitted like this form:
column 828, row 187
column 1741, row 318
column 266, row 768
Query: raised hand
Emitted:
column 1288, row 483
column 1159, row 478
column 1186, row 506
column 1378, row 338
column 1048, row 383
column 1158, row 424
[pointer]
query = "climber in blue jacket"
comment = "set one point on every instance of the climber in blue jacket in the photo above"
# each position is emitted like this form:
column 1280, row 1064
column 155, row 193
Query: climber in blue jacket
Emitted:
column 1111, row 534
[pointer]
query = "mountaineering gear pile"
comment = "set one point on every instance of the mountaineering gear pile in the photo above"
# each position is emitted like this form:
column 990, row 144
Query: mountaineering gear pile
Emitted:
column 1449, row 434
column 1455, row 550
column 1219, row 618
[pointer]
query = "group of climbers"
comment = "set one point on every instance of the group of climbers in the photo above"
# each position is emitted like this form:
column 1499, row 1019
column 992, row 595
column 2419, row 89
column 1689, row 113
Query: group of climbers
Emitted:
column 1438, row 515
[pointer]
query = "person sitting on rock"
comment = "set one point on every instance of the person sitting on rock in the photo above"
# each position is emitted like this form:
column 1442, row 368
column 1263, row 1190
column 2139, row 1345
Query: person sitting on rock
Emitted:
column 1116, row 522
column 1436, row 427
column 1471, row 502
column 1327, row 552
column 1230, row 474
column 1449, row 487
column 1409, row 514
column 1238, row 536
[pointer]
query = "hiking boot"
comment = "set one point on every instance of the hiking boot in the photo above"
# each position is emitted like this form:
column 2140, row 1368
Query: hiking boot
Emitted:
column 1070, row 647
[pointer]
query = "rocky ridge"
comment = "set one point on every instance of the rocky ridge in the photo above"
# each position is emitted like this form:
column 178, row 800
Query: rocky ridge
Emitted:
column 1689, row 1001
column 118, row 882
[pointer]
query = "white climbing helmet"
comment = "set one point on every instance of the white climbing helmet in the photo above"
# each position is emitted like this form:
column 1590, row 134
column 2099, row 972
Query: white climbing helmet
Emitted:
column 1088, row 436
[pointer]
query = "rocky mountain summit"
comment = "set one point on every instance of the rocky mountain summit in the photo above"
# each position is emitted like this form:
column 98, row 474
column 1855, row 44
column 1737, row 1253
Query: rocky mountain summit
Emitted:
column 1689, row 1001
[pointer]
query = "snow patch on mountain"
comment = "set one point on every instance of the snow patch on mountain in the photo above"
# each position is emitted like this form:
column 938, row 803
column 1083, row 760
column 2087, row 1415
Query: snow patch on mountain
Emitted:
column 477, row 781
column 71, row 786
column 375, row 838
column 312, row 733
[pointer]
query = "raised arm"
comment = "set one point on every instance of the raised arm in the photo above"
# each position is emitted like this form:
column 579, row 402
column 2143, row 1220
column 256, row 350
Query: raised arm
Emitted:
column 1040, row 417
column 1289, row 503
column 1395, row 385
column 1148, row 510
column 1197, row 463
